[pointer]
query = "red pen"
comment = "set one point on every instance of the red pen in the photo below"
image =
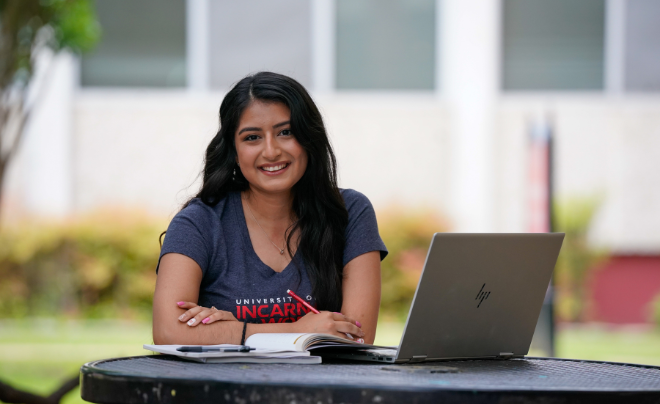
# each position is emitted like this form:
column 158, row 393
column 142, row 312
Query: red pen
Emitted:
column 298, row 298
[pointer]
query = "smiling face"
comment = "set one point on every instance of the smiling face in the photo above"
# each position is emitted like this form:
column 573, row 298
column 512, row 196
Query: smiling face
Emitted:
column 269, row 156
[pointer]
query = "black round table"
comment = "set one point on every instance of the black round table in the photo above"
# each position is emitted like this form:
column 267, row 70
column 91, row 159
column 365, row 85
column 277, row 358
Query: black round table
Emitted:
column 167, row 379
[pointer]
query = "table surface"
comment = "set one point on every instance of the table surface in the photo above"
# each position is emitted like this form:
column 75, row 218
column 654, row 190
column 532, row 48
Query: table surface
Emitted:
column 161, row 378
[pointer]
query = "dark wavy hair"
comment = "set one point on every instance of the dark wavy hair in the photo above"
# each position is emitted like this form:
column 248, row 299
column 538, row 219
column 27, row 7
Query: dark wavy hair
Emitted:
column 317, row 203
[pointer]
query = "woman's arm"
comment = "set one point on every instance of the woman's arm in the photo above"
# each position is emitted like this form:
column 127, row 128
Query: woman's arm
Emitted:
column 361, row 289
column 179, row 279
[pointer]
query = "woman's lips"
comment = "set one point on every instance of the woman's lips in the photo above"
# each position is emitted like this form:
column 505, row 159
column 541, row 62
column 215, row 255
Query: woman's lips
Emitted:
column 274, row 169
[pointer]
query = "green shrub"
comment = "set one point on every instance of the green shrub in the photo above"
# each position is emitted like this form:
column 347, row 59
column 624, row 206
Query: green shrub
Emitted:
column 577, row 258
column 654, row 307
column 407, row 234
column 102, row 265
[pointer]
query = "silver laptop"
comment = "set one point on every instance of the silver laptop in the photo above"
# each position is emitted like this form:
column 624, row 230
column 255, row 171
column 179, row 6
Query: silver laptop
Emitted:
column 479, row 296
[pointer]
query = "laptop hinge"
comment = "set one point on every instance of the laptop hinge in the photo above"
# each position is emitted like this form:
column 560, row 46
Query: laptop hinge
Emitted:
column 505, row 355
column 418, row 358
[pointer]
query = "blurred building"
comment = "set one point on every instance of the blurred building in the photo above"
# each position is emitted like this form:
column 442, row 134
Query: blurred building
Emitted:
column 426, row 101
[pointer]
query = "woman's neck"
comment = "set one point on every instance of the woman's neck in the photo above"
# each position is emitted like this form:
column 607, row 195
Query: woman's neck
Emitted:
column 272, row 207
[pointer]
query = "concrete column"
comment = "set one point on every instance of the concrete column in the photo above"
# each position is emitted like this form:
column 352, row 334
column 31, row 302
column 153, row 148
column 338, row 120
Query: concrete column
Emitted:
column 470, row 35
column 615, row 31
column 197, row 44
column 323, row 22
column 47, row 183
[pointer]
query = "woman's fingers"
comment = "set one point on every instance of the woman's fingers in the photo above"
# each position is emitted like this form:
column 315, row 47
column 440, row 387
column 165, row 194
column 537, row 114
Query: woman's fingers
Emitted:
column 186, row 305
column 330, row 323
column 189, row 314
column 219, row 315
column 346, row 327
column 200, row 316
column 341, row 317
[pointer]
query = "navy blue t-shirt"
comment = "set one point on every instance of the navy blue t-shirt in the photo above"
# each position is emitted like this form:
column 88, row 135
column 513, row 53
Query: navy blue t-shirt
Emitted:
column 234, row 277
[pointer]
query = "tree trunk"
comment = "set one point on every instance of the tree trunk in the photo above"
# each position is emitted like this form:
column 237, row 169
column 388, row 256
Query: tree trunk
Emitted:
column 2, row 181
column 12, row 125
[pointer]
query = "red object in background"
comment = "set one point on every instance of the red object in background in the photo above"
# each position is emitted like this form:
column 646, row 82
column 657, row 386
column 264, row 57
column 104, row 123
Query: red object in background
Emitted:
column 623, row 288
column 540, row 180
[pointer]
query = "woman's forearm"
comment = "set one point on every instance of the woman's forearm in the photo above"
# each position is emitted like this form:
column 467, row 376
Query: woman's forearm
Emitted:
column 361, row 290
column 221, row 332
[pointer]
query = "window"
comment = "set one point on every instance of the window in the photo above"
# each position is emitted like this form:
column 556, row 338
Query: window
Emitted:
column 385, row 44
column 642, row 47
column 553, row 44
column 142, row 45
column 248, row 36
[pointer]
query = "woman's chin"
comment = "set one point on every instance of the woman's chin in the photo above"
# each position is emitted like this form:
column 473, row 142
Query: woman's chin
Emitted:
column 272, row 186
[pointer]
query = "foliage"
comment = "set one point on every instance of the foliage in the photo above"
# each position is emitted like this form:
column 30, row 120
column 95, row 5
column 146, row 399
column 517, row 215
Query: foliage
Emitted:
column 103, row 265
column 28, row 25
column 577, row 258
column 99, row 266
column 407, row 234
column 655, row 310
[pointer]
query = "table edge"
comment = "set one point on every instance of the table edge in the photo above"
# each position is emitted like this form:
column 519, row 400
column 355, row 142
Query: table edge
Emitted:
column 88, row 370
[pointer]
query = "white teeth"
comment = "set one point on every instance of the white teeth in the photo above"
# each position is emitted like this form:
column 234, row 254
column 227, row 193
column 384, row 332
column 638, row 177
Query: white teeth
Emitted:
column 274, row 168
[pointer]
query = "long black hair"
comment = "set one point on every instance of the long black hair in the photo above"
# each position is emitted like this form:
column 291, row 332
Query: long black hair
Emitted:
column 317, row 203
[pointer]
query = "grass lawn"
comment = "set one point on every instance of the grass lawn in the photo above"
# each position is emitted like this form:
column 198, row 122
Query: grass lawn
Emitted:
column 38, row 355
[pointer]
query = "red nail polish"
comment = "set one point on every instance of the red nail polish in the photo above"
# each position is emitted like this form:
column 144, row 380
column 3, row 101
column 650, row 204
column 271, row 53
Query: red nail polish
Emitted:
column 358, row 324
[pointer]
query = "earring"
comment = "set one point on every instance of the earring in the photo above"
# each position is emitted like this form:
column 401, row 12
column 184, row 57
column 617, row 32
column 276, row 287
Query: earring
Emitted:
column 233, row 175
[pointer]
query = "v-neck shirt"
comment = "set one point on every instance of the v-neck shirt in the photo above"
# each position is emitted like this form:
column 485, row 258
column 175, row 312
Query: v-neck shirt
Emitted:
column 235, row 279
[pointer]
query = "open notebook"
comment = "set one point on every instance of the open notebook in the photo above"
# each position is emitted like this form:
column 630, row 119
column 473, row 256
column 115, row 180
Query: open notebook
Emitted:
column 269, row 348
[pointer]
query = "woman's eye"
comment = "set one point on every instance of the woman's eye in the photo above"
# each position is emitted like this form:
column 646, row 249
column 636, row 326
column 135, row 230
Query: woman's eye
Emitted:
column 250, row 138
column 286, row 132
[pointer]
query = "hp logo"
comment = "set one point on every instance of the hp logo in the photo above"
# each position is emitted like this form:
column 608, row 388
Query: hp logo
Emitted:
column 482, row 295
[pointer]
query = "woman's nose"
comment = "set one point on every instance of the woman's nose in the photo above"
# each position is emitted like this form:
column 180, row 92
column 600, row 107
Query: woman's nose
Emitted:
column 272, row 148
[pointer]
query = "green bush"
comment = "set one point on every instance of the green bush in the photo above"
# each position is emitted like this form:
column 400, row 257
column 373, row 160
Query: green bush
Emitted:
column 577, row 258
column 407, row 234
column 103, row 265
column 654, row 307
column 99, row 266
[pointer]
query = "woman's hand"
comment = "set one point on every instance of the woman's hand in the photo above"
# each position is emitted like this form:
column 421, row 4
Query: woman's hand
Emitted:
column 196, row 314
column 330, row 323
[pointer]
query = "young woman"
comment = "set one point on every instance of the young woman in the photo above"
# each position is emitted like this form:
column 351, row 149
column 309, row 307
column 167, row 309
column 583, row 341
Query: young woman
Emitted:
column 269, row 217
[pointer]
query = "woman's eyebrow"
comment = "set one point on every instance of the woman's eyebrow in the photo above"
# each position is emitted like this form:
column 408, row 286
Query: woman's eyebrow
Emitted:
column 251, row 129
column 281, row 124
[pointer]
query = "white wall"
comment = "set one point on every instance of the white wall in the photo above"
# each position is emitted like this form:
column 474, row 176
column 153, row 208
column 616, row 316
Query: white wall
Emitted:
column 147, row 149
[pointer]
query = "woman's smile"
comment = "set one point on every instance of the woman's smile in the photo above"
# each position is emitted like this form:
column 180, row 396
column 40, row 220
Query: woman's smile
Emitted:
column 274, row 169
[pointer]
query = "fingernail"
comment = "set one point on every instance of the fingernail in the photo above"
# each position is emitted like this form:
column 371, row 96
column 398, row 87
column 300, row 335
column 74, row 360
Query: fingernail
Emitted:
column 191, row 321
column 181, row 317
column 360, row 341
column 358, row 324
column 179, row 303
column 206, row 320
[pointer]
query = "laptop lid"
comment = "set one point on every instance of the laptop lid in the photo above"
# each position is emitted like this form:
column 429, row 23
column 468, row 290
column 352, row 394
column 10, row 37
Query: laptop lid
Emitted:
column 479, row 295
